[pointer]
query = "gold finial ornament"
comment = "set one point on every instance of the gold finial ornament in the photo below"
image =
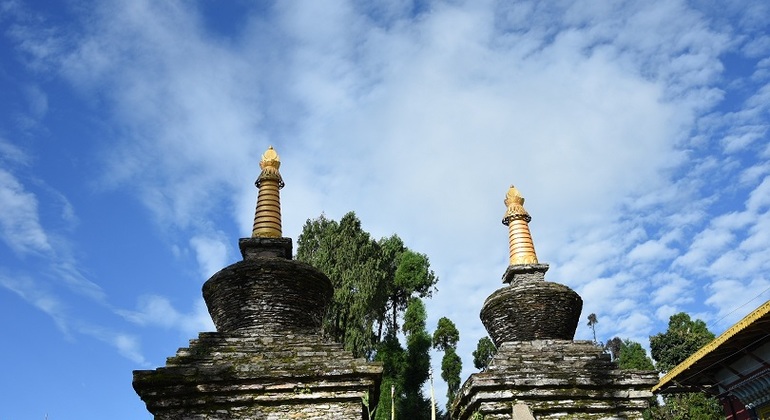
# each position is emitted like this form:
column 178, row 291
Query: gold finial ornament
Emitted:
column 267, row 220
column 522, row 250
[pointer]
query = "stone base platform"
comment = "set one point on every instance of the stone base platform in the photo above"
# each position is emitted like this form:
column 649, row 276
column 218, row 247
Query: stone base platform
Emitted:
column 242, row 376
column 556, row 379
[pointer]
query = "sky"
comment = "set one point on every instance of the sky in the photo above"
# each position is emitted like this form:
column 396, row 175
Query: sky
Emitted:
column 131, row 133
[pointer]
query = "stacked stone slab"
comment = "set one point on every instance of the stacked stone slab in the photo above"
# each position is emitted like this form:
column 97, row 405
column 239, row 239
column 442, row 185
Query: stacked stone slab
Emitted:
column 532, row 322
column 267, row 359
column 556, row 379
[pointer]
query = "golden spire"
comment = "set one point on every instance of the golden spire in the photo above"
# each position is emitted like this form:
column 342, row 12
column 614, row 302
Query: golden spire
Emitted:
column 267, row 220
column 522, row 250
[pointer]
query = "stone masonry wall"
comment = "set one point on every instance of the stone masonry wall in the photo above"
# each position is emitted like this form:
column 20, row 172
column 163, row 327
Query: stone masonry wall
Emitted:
column 238, row 376
column 557, row 379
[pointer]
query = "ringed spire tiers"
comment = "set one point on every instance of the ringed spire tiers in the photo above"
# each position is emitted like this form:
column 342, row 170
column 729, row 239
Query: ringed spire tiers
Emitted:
column 522, row 249
column 529, row 308
column 267, row 219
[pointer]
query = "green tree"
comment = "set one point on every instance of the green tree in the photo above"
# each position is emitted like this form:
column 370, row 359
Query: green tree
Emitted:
column 451, row 367
column 353, row 262
column 592, row 321
column 393, row 358
column 632, row 356
column 414, row 405
column 373, row 280
column 613, row 346
column 689, row 406
column 407, row 274
column 485, row 350
column 446, row 334
column 445, row 338
column 375, row 283
column 683, row 337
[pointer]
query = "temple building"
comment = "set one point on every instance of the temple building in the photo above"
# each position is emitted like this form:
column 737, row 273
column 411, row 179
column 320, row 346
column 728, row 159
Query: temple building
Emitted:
column 267, row 359
column 538, row 370
column 734, row 367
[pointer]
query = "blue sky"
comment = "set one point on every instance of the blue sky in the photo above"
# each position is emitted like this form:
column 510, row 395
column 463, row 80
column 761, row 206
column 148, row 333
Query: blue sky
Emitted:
column 130, row 136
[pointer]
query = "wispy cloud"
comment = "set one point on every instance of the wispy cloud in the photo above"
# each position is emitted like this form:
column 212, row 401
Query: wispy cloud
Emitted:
column 211, row 253
column 19, row 223
column 153, row 310
column 20, row 226
column 41, row 296
column 54, row 265
column 38, row 295
column 127, row 345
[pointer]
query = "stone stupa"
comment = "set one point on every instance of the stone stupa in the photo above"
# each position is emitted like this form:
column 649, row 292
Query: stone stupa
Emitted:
column 538, row 368
column 268, row 359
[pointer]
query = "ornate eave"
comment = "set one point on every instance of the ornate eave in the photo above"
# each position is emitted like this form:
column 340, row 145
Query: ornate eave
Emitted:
column 714, row 367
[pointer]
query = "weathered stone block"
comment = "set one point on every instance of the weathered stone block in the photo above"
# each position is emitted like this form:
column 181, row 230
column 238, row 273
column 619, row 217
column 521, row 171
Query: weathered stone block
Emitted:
column 556, row 379
column 265, row 247
column 245, row 376
column 524, row 273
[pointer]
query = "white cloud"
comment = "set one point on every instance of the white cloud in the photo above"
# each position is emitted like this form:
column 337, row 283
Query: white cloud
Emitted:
column 38, row 295
column 128, row 346
column 705, row 247
column 153, row 310
column 12, row 153
column 633, row 325
column 664, row 312
column 64, row 268
column 211, row 253
column 672, row 289
column 651, row 251
column 759, row 199
column 20, row 226
column 734, row 299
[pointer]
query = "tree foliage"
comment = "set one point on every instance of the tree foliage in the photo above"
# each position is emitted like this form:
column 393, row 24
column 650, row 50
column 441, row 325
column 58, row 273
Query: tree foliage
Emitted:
column 683, row 337
column 451, row 367
column 592, row 321
column 689, row 406
column 445, row 338
column 408, row 274
column 485, row 350
column 414, row 405
column 613, row 346
column 446, row 335
column 406, row 369
column 393, row 358
column 373, row 280
column 375, row 284
column 632, row 356
column 352, row 261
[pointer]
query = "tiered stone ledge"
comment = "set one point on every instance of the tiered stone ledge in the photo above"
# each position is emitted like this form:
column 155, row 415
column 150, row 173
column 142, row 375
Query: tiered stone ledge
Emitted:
column 557, row 379
column 229, row 376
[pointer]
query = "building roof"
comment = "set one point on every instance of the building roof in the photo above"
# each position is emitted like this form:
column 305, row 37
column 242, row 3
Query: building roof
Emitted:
column 701, row 371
